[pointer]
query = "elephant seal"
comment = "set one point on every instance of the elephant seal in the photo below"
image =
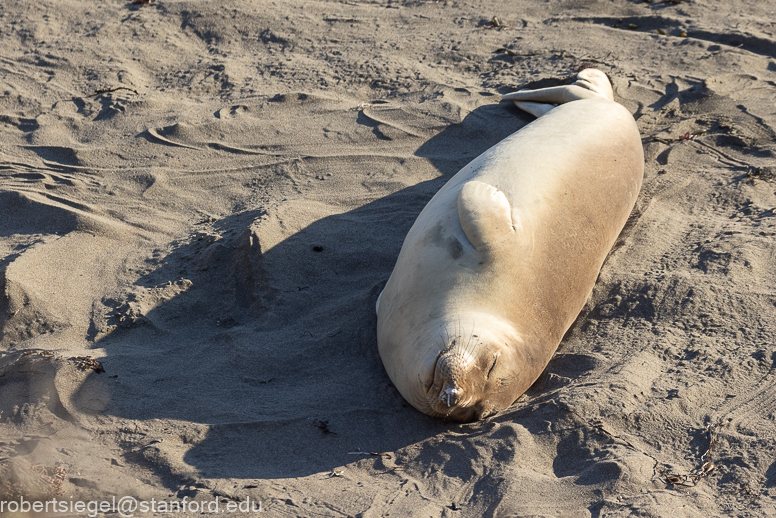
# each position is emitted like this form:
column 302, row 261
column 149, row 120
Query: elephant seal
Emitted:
column 502, row 259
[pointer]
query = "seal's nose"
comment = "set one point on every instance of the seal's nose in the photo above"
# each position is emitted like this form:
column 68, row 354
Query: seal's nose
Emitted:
column 450, row 396
column 451, row 371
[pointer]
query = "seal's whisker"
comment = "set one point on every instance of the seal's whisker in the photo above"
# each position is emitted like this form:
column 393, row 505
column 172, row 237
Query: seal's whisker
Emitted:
column 439, row 343
column 472, row 338
column 446, row 346
column 470, row 346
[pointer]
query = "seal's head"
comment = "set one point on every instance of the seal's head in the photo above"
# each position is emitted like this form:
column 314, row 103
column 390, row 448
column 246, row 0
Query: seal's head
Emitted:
column 473, row 376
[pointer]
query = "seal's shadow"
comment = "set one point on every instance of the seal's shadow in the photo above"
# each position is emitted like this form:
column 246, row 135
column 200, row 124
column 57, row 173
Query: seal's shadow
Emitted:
column 276, row 356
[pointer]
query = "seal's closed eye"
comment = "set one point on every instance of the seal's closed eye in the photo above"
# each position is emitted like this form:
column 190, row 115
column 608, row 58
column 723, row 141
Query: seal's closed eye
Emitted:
column 493, row 366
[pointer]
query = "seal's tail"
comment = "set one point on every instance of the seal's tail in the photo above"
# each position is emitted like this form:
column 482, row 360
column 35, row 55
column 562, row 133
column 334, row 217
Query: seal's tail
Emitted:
column 590, row 84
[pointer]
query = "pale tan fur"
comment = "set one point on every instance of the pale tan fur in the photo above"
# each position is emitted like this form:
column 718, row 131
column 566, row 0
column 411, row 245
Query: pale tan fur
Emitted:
column 499, row 263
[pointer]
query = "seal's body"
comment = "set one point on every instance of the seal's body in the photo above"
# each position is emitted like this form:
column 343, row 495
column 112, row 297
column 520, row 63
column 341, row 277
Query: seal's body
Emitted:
column 499, row 263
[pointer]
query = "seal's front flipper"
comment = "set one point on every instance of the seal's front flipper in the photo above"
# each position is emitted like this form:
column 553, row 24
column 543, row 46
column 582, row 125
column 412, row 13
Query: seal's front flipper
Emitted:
column 485, row 214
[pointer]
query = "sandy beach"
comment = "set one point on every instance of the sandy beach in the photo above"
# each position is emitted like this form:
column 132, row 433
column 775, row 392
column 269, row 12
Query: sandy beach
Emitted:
column 201, row 201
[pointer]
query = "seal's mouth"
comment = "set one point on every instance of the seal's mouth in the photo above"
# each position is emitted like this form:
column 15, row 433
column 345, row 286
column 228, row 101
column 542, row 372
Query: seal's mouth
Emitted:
column 463, row 411
column 452, row 396
column 449, row 395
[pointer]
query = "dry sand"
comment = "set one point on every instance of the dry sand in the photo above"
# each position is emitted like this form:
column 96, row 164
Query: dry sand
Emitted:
column 207, row 198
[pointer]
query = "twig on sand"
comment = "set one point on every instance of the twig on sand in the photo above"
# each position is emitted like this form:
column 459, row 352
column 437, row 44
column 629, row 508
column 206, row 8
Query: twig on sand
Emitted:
column 48, row 482
column 495, row 23
column 686, row 136
column 51, row 476
column 324, row 427
column 87, row 362
column 383, row 455
column 386, row 455
column 704, row 470
column 766, row 174
column 110, row 90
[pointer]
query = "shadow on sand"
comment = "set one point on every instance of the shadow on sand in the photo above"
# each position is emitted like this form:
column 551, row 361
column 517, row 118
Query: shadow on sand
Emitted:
column 275, row 350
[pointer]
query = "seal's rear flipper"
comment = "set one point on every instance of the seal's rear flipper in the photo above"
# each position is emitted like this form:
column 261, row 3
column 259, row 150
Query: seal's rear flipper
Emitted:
column 485, row 214
column 595, row 81
column 590, row 84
